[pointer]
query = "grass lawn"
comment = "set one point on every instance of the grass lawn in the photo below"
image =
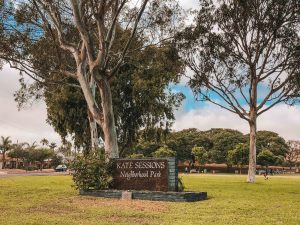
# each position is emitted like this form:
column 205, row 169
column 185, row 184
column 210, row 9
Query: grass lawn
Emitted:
column 52, row 200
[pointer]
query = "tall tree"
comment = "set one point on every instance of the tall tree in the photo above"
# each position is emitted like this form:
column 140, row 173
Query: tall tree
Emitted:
column 200, row 154
column 183, row 142
column 83, row 32
column 239, row 155
column 19, row 152
column 271, row 141
column 223, row 141
column 40, row 155
column 5, row 146
column 44, row 142
column 237, row 48
column 267, row 158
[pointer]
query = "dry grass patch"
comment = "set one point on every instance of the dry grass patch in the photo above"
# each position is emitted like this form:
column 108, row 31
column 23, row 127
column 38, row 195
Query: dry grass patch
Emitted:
column 138, row 205
column 51, row 209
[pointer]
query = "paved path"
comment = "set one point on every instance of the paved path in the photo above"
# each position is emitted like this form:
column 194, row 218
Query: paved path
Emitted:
column 3, row 175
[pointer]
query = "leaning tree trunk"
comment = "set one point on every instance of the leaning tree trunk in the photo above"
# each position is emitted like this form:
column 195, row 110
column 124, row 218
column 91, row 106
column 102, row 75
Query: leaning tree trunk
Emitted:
column 252, row 149
column 104, row 116
column 108, row 125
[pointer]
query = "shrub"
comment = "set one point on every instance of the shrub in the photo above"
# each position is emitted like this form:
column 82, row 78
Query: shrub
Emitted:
column 164, row 151
column 32, row 167
column 91, row 172
column 136, row 156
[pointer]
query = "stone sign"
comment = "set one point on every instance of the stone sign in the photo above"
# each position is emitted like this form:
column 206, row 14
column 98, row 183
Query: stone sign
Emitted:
column 141, row 174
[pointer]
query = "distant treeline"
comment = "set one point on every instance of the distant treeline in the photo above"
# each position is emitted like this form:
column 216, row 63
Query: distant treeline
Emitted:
column 212, row 146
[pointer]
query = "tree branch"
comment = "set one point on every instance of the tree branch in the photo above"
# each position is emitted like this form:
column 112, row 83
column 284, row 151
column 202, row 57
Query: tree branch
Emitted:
column 116, row 68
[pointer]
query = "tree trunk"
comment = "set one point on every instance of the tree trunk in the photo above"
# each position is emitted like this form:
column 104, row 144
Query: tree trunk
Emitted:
column 92, row 122
column 108, row 125
column 94, row 132
column 105, row 116
column 252, row 149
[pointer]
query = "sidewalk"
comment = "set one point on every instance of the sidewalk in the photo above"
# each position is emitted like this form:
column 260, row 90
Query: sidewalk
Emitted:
column 19, row 172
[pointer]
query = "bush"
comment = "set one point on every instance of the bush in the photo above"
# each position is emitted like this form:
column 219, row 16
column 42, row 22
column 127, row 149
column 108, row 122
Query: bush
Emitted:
column 32, row 167
column 91, row 172
column 164, row 151
column 136, row 156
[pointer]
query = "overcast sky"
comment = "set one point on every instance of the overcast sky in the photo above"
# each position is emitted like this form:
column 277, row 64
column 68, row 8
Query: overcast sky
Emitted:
column 30, row 124
column 26, row 125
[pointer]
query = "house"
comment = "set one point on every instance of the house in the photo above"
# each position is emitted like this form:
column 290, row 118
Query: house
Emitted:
column 11, row 163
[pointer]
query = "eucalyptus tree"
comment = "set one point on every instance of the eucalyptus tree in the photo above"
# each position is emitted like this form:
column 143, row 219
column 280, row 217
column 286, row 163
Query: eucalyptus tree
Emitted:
column 141, row 98
column 82, row 33
column 244, row 57
column 6, row 145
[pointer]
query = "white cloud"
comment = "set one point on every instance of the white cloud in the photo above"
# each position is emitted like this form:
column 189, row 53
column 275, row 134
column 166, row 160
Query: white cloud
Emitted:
column 189, row 4
column 26, row 125
column 281, row 119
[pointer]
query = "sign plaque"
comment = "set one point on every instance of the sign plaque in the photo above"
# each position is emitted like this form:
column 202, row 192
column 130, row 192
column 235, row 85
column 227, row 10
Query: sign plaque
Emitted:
column 141, row 174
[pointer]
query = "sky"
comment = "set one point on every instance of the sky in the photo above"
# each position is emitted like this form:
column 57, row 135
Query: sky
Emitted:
column 30, row 124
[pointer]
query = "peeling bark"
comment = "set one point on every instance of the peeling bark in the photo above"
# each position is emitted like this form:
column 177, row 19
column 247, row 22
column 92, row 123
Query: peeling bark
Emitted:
column 94, row 132
column 108, row 127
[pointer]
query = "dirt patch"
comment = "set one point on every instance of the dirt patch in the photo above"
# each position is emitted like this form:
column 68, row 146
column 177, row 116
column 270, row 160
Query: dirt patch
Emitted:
column 51, row 209
column 139, row 205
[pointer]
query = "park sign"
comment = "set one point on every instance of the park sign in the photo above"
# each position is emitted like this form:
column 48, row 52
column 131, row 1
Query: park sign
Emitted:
column 154, row 179
column 153, row 174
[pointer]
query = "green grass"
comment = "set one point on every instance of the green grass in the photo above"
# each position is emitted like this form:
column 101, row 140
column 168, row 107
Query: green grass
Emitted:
column 52, row 200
